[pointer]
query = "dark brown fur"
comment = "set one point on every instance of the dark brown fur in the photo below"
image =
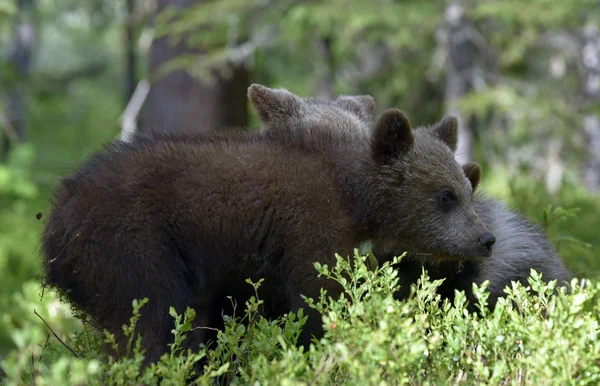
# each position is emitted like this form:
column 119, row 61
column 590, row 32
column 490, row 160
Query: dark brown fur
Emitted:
column 179, row 220
column 174, row 223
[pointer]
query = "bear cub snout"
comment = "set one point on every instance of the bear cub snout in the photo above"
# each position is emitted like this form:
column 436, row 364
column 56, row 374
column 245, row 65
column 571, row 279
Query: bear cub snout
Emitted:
column 487, row 240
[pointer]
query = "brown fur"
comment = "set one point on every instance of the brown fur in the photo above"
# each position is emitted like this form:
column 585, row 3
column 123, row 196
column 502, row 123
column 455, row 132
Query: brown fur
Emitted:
column 179, row 220
column 174, row 223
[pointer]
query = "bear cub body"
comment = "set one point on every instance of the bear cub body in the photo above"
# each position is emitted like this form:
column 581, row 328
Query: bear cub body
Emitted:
column 179, row 220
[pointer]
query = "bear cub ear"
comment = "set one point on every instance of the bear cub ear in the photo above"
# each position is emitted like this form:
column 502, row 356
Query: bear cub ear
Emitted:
column 473, row 172
column 447, row 131
column 392, row 136
column 361, row 104
column 271, row 104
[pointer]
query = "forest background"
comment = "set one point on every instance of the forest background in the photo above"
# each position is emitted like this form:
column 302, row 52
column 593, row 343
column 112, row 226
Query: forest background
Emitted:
column 523, row 77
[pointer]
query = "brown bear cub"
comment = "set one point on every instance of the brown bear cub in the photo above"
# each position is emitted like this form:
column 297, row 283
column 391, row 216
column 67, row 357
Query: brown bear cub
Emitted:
column 177, row 220
column 520, row 244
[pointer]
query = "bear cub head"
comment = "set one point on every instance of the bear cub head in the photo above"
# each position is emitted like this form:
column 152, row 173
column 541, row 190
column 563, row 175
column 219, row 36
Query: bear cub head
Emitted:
column 424, row 198
column 410, row 192
column 311, row 123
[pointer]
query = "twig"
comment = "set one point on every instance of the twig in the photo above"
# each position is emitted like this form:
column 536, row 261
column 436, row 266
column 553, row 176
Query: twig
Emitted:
column 205, row 328
column 129, row 116
column 55, row 335
column 91, row 324
column 65, row 247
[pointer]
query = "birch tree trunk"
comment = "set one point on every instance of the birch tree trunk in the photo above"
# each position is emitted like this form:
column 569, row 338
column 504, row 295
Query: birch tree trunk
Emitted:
column 461, row 62
column 591, row 86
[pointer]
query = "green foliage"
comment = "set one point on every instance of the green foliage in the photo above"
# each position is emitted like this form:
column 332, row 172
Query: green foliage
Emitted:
column 18, row 230
column 15, row 174
column 64, row 128
column 537, row 334
column 68, row 116
column 59, row 136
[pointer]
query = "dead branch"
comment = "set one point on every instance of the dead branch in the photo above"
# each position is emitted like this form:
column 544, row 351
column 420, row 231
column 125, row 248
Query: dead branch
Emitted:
column 129, row 117
column 56, row 336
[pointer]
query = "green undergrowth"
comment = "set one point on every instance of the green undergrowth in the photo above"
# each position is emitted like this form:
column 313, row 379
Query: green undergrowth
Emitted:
column 532, row 337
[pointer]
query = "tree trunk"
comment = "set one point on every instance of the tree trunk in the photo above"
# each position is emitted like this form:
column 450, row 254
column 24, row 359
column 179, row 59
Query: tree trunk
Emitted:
column 325, row 68
column 591, row 87
column 461, row 64
column 130, row 52
column 179, row 102
column 20, row 55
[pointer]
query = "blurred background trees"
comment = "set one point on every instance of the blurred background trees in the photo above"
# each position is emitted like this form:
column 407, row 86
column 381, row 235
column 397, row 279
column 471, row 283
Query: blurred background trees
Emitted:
column 522, row 76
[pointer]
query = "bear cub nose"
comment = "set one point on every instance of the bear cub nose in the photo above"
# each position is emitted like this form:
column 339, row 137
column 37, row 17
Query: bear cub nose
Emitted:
column 487, row 240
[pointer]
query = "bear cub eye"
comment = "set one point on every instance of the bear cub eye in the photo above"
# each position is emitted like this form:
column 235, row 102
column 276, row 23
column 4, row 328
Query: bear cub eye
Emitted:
column 447, row 197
